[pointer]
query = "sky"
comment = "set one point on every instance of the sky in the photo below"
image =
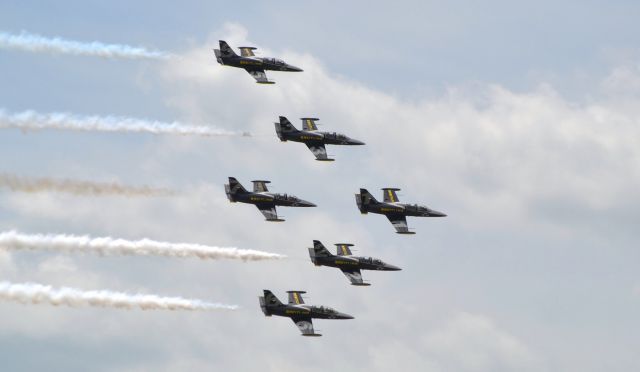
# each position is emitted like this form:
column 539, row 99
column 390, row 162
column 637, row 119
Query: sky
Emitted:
column 520, row 120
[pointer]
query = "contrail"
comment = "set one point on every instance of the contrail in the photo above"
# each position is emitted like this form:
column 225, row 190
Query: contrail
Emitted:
column 33, row 185
column 37, row 43
column 31, row 120
column 12, row 240
column 37, row 293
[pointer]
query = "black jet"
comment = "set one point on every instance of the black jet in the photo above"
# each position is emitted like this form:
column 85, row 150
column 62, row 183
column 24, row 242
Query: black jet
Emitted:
column 395, row 211
column 310, row 136
column 255, row 66
column 345, row 261
column 298, row 311
column 262, row 198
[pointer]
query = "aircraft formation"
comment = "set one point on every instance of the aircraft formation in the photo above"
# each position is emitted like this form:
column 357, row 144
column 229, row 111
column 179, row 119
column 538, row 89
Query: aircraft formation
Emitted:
column 351, row 266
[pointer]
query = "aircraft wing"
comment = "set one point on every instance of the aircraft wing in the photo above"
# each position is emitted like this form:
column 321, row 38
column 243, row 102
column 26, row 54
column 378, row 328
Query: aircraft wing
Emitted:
column 305, row 325
column 399, row 221
column 260, row 76
column 319, row 151
column 354, row 276
column 269, row 212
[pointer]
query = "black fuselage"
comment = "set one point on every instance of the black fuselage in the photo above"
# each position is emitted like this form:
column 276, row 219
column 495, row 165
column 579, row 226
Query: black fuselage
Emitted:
column 412, row 210
column 353, row 262
column 304, row 311
column 261, row 198
column 327, row 138
column 257, row 63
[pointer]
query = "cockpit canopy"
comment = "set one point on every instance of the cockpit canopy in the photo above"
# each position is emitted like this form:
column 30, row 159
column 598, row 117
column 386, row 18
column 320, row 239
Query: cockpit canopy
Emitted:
column 326, row 309
column 338, row 136
column 275, row 61
column 285, row 197
column 373, row 260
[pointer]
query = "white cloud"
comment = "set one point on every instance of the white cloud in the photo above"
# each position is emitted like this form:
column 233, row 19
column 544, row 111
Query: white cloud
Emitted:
column 470, row 342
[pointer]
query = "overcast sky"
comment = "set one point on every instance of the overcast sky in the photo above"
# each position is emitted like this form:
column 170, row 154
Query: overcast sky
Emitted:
column 521, row 121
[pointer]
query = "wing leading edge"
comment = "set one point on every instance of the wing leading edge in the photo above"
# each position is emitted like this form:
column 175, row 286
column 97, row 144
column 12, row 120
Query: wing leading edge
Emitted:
column 400, row 223
column 260, row 76
column 269, row 212
column 355, row 276
column 319, row 151
column 305, row 325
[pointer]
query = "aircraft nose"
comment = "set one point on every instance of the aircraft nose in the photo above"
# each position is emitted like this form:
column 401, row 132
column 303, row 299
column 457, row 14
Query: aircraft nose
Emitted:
column 294, row 68
column 355, row 142
column 391, row 267
column 344, row 316
column 437, row 214
column 304, row 203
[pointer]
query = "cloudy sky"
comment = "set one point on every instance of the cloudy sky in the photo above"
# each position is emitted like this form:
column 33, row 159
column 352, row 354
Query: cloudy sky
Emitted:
column 520, row 120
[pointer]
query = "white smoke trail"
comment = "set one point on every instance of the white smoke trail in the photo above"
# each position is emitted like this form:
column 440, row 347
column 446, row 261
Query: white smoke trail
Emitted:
column 31, row 120
column 37, row 293
column 37, row 43
column 12, row 240
column 32, row 185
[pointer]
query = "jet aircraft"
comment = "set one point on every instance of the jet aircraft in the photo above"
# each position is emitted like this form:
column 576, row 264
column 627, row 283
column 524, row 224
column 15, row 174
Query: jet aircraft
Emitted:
column 247, row 60
column 310, row 136
column 395, row 211
column 262, row 198
column 298, row 311
column 345, row 261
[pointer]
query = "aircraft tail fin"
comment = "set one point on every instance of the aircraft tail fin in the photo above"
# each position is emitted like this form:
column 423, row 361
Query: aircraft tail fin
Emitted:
column 232, row 188
column 318, row 250
column 225, row 50
column 269, row 299
column 364, row 199
column 284, row 127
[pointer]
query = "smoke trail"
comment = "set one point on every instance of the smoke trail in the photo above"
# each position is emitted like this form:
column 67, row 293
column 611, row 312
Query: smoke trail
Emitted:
column 32, row 185
column 12, row 240
column 37, row 293
column 37, row 43
column 31, row 120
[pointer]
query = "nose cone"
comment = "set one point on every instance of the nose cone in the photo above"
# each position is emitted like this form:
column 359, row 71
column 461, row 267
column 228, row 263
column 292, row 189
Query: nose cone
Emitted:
column 388, row 267
column 355, row 142
column 344, row 316
column 437, row 214
column 293, row 68
column 304, row 203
